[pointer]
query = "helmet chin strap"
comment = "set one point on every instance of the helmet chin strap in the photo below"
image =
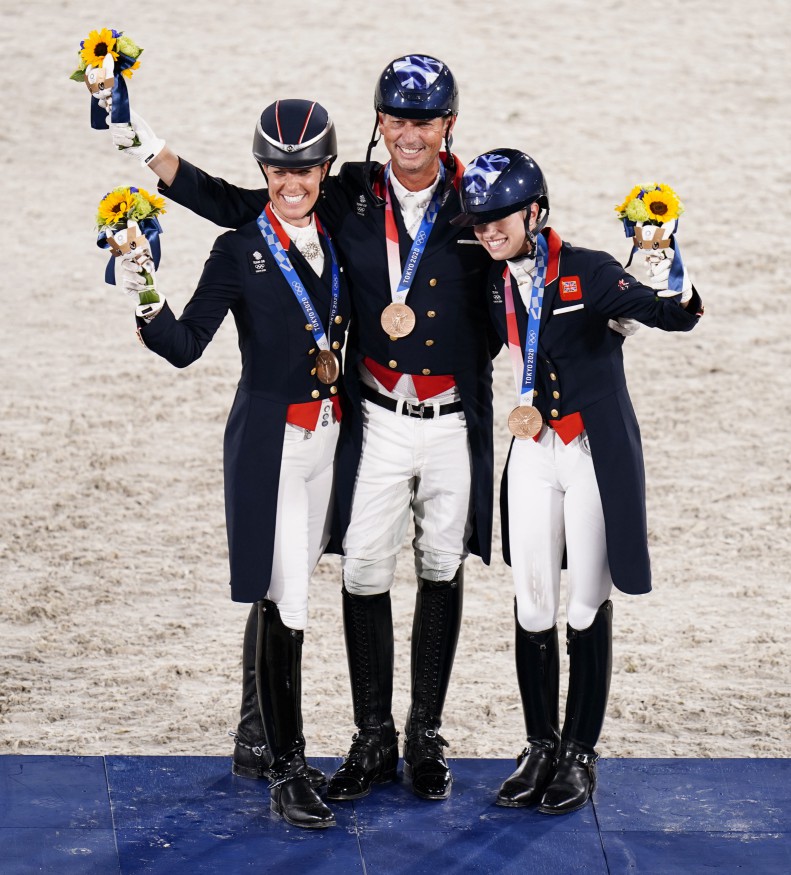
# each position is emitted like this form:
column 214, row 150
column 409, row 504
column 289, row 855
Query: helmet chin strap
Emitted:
column 530, row 235
column 377, row 201
column 450, row 161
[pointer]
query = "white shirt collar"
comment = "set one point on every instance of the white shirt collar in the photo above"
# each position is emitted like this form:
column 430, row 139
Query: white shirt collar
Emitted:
column 306, row 239
column 417, row 197
column 522, row 268
column 295, row 232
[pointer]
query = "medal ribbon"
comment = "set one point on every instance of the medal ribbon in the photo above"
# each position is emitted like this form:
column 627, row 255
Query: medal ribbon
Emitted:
column 269, row 227
column 526, row 363
column 401, row 282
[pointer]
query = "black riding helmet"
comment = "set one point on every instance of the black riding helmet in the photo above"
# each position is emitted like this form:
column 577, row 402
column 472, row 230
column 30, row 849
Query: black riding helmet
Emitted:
column 416, row 87
column 295, row 134
column 501, row 182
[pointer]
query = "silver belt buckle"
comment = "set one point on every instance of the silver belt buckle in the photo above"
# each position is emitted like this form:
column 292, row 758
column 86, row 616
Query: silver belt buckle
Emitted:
column 415, row 410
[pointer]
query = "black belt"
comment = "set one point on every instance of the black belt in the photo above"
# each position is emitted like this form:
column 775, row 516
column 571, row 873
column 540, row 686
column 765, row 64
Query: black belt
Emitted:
column 418, row 411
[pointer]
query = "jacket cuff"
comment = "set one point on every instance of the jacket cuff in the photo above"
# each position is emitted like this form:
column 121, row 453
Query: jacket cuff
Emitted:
column 148, row 333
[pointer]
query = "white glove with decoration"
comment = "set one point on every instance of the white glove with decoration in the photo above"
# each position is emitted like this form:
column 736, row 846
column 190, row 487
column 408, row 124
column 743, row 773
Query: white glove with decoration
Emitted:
column 658, row 264
column 137, row 139
column 135, row 274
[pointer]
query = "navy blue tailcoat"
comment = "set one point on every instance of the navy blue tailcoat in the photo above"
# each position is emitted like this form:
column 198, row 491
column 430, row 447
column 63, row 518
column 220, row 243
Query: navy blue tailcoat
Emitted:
column 580, row 369
column 242, row 276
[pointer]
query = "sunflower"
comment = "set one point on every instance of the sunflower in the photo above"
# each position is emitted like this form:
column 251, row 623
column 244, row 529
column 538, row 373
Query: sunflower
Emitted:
column 97, row 45
column 114, row 207
column 145, row 205
column 662, row 205
column 157, row 202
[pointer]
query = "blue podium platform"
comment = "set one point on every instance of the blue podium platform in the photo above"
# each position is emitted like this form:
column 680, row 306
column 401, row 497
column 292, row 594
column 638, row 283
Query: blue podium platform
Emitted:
column 179, row 815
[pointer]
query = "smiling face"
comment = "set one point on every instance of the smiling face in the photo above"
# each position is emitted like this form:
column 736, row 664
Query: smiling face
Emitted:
column 414, row 146
column 293, row 192
column 506, row 238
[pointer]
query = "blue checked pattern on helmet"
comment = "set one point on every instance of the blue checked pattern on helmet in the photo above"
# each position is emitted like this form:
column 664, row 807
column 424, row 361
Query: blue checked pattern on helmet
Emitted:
column 417, row 72
column 481, row 174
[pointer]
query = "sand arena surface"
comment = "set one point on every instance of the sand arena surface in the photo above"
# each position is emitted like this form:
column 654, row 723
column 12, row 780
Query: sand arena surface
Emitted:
column 117, row 633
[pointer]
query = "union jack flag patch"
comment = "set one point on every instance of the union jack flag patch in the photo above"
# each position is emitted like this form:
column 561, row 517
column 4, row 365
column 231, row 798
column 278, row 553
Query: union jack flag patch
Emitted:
column 623, row 284
column 570, row 288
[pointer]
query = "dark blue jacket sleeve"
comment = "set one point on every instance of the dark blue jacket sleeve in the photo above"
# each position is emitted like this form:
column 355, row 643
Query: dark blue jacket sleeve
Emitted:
column 213, row 198
column 182, row 341
column 617, row 293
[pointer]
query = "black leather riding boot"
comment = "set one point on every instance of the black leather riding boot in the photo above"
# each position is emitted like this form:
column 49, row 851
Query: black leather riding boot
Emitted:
column 279, row 674
column 250, row 755
column 373, row 756
column 537, row 670
column 435, row 632
column 250, row 758
column 590, row 667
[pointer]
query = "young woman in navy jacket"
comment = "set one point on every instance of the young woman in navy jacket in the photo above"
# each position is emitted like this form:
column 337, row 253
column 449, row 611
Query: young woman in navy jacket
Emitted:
column 280, row 278
column 574, row 481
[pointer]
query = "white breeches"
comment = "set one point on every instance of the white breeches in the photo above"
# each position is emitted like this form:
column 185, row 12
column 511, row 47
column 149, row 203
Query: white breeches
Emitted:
column 408, row 465
column 554, row 501
column 304, row 504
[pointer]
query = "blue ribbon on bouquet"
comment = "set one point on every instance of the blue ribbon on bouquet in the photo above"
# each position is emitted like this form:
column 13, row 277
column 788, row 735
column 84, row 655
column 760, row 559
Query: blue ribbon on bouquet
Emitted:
column 120, row 113
column 151, row 229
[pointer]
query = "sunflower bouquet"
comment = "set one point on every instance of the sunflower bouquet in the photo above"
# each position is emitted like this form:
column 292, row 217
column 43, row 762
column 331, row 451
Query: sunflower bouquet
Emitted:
column 127, row 222
column 650, row 215
column 107, row 58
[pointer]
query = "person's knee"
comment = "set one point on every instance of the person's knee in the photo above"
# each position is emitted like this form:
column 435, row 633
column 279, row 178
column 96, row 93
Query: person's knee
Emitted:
column 293, row 616
column 437, row 567
column 580, row 615
column 368, row 576
column 535, row 618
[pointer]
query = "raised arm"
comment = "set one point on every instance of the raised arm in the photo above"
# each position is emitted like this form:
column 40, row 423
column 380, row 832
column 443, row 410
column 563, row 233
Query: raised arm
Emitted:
column 210, row 197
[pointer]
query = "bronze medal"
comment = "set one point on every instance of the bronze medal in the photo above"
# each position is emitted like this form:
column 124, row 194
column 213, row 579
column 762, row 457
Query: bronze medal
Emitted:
column 525, row 422
column 398, row 320
column 327, row 367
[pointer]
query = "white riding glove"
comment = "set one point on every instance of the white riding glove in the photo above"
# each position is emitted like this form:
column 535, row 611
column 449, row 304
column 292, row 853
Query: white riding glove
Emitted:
column 148, row 145
column 658, row 265
column 135, row 275
column 624, row 326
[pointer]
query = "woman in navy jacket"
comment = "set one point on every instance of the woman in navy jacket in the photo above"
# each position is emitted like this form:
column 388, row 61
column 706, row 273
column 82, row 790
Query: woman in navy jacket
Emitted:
column 280, row 278
column 574, row 480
